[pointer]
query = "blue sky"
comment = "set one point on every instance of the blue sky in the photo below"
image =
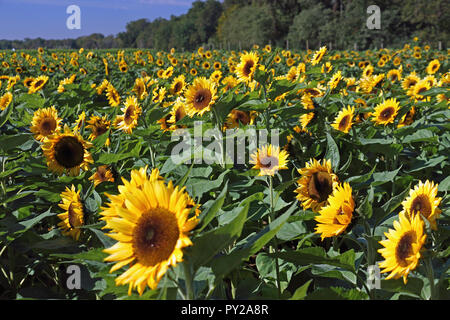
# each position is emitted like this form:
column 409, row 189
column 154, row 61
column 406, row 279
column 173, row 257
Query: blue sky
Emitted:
column 21, row 19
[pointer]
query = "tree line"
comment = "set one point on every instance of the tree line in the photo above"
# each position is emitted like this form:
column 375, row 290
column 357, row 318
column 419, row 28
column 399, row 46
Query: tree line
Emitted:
column 238, row 24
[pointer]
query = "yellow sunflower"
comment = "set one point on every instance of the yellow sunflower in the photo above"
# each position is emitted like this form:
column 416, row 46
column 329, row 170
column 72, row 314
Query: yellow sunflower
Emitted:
column 200, row 96
column 98, row 126
column 5, row 100
column 318, row 55
column 67, row 152
column 269, row 159
column 344, row 119
column 73, row 217
column 113, row 95
column 140, row 89
column 334, row 81
column 178, row 85
column 402, row 247
column 423, row 201
column 334, row 218
column 420, row 87
column 37, row 84
column 45, row 122
column 386, row 112
column 239, row 117
column 129, row 119
column 408, row 118
column 316, row 184
column 410, row 81
column 177, row 113
column 103, row 173
column 151, row 225
column 246, row 67
column 433, row 66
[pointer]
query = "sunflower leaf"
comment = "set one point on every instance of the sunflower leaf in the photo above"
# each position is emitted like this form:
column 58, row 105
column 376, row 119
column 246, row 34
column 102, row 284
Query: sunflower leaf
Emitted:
column 332, row 153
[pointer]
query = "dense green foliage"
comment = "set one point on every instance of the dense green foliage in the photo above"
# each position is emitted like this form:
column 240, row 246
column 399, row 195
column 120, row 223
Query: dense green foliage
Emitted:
column 239, row 24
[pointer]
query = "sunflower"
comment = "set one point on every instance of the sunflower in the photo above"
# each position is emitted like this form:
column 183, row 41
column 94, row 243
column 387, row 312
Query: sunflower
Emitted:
column 334, row 81
column 368, row 70
column 420, row 87
column 423, row 201
column 5, row 100
column 140, row 89
column 408, row 118
column 316, row 184
column 177, row 113
column 410, row 81
column 216, row 76
column 305, row 119
column 150, row 221
column 67, row 152
column 38, row 84
column 102, row 174
column 200, row 96
column 394, row 75
column 113, row 95
column 193, row 72
column 386, row 112
column 98, row 126
column 343, row 121
column 327, row 67
column 28, row 82
column 73, row 217
column 246, row 67
column 268, row 159
column 318, row 55
column 239, row 117
column 178, row 85
column 229, row 83
column 334, row 218
column 129, row 119
column 80, row 121
column 45, row 122
column 402, row 247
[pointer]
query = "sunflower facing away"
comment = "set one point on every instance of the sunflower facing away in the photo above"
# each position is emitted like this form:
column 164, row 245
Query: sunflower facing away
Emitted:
column 246, row 67
column 150, row 221
column 129, row 119
column 67, row 152
column 423, row 202
column 73, row 216
column 269, row 159
column 344, row 119
column 385, row 112
column 45, row 123
column 316, row 184
column 200, row 96
column 337, row 215
column 402, row 247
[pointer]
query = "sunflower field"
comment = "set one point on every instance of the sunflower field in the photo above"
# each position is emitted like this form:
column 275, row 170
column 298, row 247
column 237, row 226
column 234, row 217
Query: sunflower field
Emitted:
column 352, row 203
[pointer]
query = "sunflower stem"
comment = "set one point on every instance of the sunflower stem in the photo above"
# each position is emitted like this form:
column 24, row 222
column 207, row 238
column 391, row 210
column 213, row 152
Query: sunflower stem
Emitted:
column 188, row 280
column 430, row 274
column 274, row 248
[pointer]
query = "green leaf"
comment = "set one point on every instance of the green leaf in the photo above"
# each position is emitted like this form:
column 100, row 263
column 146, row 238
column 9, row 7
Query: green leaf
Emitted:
column 444, row 185
column 221, row 266
column 365, row 208
column 336, row 293
column 210, row 214
column 8, row 142
column 301, row 292
column 209, row 244
column 332, row 153
column 383, row 177
column 5, row 114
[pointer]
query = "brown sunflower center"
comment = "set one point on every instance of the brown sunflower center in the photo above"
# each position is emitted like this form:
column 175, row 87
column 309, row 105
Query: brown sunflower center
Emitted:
column 48, row 125
column 421, row 89
column 179, row 114
column 202, row 99
column 248, row 67
column 242, row 117
column 129, row 114
column 421, row 204
column 155, row 236
column 344, row 122
column 69, row 152
column 269, row 162
column 387, row 113
column 404, row 247
column 38, row 83
column 177, row 87
column 320, row 186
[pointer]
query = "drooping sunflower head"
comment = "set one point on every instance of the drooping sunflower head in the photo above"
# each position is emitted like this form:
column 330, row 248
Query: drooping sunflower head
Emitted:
column 200, row 96
column 344, row 119
column 423, row 202
column 316, row 184
column 67, row 152
column 45, row 123
column 247, row 66
column 337, row 215
column 73, row 216
column 103, row 173
column 386, row 112
column 269, row 159
column 402, row 247
column 151, row 224
column 129, row 119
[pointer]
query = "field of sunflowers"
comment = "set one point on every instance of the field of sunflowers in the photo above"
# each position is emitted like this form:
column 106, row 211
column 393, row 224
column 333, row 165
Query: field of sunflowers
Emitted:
column 352, row 204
